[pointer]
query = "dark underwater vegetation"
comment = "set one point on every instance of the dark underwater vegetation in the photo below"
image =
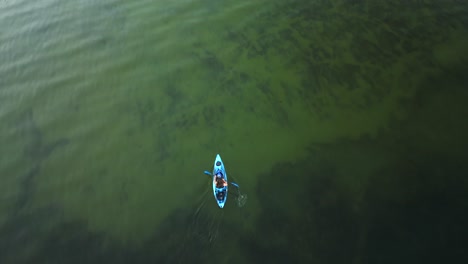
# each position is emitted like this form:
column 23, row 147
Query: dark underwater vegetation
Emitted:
column 343, row 121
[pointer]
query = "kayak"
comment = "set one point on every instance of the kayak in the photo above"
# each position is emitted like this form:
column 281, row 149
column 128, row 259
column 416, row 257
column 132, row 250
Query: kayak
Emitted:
column 220, row 182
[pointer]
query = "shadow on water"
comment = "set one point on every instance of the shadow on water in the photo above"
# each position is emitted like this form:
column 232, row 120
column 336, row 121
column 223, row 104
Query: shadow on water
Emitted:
column 416, row 211
column 409, row 211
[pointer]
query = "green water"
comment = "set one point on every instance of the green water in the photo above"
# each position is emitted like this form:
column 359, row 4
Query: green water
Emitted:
column 343, row 122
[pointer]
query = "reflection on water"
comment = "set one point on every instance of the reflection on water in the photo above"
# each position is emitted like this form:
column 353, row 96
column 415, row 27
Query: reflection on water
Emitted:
column 341, row 120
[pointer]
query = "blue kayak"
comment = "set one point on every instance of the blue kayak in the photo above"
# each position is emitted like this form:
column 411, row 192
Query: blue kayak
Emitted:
column 220, row 182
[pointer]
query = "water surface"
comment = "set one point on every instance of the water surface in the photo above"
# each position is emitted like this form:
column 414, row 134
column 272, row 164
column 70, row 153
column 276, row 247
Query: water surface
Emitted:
column 343, row 122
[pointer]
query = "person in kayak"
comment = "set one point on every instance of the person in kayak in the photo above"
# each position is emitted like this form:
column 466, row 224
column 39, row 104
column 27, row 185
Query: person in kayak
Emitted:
column 220, row 182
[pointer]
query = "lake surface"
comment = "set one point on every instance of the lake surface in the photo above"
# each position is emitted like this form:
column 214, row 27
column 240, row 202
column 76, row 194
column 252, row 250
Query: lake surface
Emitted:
column 344, row 123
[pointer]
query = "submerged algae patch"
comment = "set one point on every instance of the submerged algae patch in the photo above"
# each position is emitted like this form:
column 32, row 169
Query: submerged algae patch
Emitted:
column 332, row 62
